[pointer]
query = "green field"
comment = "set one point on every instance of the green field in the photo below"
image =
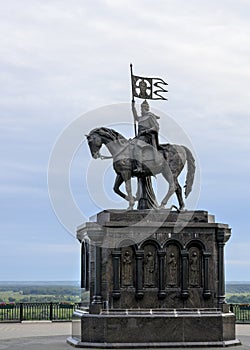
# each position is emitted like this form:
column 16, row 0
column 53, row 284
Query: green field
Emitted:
column 238, row 298
column 56, row 302
column 18, row 297
column 236, row 293
column 40, row 293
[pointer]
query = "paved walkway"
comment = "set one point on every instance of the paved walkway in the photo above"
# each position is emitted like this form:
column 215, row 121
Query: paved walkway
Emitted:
column 34, row 329
column 52, row 336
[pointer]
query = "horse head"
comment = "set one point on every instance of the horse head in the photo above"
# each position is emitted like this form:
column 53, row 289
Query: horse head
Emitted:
column 109, row 137
column 95, row 144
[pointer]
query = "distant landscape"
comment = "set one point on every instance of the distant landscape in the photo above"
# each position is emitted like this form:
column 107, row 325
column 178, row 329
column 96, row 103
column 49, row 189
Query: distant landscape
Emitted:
column 70, row 291
column 21, row 292
column 238, row 292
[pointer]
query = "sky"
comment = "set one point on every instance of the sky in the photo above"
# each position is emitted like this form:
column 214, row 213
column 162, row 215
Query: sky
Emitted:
column 65, row 67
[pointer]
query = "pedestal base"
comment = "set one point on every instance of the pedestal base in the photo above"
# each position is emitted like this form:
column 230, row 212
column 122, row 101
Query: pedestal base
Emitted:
column 153, row 328
column 156, row 280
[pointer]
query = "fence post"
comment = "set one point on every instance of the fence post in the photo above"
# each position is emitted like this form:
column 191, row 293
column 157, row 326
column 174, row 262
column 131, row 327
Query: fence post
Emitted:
column 21, row 312
column 51, row 311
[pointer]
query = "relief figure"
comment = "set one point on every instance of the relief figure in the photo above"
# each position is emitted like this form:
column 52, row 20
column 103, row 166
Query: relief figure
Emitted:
column 194, row 270
column 172, row 270
column 149, row 270
column 127, row 275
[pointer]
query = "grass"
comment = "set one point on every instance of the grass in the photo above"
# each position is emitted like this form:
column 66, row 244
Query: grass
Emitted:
column 18, row 297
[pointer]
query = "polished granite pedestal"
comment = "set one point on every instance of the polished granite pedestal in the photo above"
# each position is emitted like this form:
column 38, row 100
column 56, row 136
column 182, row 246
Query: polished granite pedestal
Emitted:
column 156, row 279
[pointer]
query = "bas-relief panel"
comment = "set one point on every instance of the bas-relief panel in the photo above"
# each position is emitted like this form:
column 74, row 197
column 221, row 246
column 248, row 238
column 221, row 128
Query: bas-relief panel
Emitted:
column 150, row 266
column 195, row 275
column 172, row 266
column 127, row 267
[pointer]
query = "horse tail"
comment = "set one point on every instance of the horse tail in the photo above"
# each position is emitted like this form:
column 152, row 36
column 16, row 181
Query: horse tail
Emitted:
column 190, row 172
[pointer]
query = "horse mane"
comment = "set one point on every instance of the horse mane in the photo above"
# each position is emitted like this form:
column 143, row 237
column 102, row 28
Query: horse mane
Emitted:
column 106, row 132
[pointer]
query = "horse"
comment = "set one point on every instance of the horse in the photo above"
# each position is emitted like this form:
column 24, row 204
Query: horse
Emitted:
column 168, row 159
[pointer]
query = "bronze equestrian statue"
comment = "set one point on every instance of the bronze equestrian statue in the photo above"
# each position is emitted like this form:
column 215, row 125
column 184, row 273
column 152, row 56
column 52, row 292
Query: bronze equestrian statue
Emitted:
column 143, row 157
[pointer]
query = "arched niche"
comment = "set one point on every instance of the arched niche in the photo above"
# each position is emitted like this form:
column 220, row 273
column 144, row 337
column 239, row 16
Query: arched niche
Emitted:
column 150, row 263
column 173, row 264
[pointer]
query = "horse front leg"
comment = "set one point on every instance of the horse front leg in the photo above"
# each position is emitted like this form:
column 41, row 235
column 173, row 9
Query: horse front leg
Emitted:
column 118, row 181
column 129, row 197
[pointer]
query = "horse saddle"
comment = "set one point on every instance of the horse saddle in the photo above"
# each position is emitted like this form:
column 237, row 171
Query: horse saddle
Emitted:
column 147, row 155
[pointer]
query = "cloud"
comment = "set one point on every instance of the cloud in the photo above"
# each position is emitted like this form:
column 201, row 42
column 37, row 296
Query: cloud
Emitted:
column 239, row 262
column 31, row 261
column 60, row 59
column 41, row 250
column 201, row 47
column 197, row 45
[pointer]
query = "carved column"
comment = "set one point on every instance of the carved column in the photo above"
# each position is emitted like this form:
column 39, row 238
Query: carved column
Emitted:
column 206, row 290
column 116, row 258
column 184, row 275
column 162, row 291
column 139, row 255
column 85, row 265
column 221, row 239
column 97, row 297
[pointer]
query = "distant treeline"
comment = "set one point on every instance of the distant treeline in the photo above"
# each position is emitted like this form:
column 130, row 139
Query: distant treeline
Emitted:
column 238, row 293
column 237, row 288
column 238, row 299
column 48, row 292
column 43, row 290
column 40, row 293
column 69, row 289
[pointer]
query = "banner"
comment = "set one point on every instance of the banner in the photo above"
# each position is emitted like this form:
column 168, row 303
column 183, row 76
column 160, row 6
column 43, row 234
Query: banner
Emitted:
column 147, row 88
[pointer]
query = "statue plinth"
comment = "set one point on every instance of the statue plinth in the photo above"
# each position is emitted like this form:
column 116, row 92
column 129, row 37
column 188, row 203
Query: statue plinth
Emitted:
column 156, row 279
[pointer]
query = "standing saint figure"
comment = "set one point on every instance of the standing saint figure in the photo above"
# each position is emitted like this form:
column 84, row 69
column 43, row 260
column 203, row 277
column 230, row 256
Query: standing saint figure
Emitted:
column 194, row 270
column 149, row 276
column 127, row 269
column 148, row 128
column 172, row 266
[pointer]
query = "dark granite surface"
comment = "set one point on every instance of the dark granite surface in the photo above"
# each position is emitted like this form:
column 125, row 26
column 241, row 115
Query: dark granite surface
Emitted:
column 163, row 215
column 166, row 268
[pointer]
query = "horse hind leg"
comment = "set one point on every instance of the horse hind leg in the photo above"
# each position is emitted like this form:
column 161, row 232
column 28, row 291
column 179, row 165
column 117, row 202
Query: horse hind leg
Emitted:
column 178, row 192
column 167, row 174
column 169, row 194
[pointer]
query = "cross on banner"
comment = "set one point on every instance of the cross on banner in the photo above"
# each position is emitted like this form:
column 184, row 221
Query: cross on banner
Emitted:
column 147, row 88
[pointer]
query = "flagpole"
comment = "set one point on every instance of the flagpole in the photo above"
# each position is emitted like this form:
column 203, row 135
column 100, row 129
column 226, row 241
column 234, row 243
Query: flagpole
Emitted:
column 132, row 89
column 131, row 74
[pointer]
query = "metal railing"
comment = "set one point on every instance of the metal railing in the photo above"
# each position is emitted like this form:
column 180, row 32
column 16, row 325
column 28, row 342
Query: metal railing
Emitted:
column 18, row 312
column 242, row 312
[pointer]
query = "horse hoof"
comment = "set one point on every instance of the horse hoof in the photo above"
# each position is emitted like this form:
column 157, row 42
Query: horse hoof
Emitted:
column 182, row 209
column 130, row 208
column 174, row 207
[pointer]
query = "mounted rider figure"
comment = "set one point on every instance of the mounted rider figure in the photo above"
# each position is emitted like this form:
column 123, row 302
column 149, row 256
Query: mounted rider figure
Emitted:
column 148, row 128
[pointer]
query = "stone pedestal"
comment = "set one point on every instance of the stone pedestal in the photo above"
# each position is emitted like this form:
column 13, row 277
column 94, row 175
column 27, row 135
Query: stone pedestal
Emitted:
column 156, row 279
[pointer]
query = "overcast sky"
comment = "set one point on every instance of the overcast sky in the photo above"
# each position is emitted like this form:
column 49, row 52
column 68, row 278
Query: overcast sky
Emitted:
column 60, row 60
